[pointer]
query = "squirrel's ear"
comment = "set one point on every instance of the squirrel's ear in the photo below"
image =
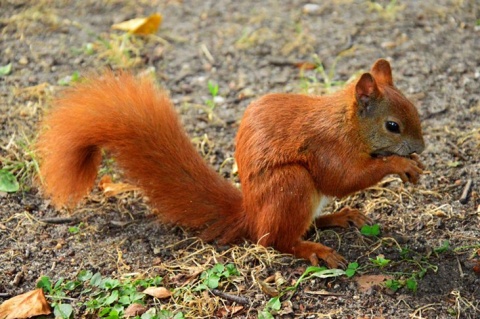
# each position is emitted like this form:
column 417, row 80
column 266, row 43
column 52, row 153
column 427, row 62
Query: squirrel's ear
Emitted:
column 382, row 72
column 365, row 90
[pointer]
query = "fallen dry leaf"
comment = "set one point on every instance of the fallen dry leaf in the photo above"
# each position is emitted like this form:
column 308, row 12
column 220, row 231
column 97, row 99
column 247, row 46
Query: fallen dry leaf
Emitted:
column 29, row 304
column 228, row 311
column 135, row 310
column 366, row 282
column 305, row 65
column 111, row 189
column 476, row 267
column 267, row 289
column 147, row 25
column 158, row 292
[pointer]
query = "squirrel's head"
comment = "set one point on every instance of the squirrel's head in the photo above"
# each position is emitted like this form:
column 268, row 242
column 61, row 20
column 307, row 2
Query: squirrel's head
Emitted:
column 389, row 123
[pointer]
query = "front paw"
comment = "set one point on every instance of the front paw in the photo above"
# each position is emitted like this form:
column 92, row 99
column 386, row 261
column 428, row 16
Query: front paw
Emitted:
column 315, row 251
column 409, row 169
column 344, row 218
column 416, row 158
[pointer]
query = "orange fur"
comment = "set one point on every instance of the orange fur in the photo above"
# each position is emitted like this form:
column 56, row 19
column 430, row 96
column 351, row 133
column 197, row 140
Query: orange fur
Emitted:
column 137, row 124
column 292, row 151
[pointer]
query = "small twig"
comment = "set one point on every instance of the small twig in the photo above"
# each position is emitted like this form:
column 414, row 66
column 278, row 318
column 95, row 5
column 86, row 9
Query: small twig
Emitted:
column 460, row 268
column 207, row 53
column 457, row 152
column 59, row 220
column 224, row 295
column 466, row 191
column 323, row 292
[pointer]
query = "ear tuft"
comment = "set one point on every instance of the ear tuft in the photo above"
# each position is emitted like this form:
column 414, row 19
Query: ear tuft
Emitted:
column 382, row 72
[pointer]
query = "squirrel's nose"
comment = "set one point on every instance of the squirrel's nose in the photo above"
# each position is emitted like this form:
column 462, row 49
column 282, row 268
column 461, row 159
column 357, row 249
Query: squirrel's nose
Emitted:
column 418, row 146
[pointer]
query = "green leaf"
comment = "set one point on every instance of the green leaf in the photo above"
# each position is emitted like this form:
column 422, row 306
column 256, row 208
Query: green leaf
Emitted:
column 96, row 280
column 5, row 69
column 265, row 315
column 179, row 315
column 71, row 285
column 157, row 281
column 124, row 300
column 392, row 284
column 111, row 283
column 212, row 281
column 58, row 283
column 113, row 314
column 350, row 272
column 454, row 164
column 74, row 230
column 63, row 310
column 138, row 296
column 380, row 261
column 112, row 298
column 213, row 88
column 45, row 284
column 104, row 312
column 412, row 284
column 85, row 275
column 231, row 270
column 443, row 248
column 351, row 269
column 218, row 268
column 370, row 230
column 8, row 182
column 274, row 304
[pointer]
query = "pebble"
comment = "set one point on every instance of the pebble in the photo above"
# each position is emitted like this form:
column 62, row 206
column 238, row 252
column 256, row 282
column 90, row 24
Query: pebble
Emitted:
column 23, row 61
column 311, row 8
column 219, row 99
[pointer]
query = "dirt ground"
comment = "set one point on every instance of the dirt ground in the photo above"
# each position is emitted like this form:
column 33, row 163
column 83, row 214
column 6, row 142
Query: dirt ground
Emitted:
column 251, row 48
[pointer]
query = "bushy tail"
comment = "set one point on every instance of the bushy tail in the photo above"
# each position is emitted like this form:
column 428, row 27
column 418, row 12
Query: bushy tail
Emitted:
column 137, row 124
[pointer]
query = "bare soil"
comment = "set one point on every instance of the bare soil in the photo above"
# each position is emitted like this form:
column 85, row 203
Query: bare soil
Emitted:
column 251, row 48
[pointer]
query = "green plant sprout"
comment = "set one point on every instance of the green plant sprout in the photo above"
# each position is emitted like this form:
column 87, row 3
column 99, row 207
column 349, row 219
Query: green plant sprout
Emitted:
column 69, row 79
column 213, row 89
column 19, row 167
column 370, row 230
column 443, row 248
column 351, row 269
column 380, row 261
column 271, row 307
column 108, row 298
column 274, row 304
column 389, row 11
column 211, row 278
column 328, row 83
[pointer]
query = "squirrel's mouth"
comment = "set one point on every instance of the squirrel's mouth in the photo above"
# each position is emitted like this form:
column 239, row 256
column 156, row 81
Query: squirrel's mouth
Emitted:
column 382, row 153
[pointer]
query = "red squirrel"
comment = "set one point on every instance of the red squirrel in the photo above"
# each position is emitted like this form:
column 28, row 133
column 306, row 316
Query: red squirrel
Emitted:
column 294, row 153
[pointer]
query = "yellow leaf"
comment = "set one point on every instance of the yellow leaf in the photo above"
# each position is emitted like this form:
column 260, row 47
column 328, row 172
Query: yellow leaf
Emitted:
column 158, row 292
column 111, row 189
column 140, row 25
column 29, row 304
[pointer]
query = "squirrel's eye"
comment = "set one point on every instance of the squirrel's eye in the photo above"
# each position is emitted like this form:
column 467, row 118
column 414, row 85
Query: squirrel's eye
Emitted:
column 393, row 127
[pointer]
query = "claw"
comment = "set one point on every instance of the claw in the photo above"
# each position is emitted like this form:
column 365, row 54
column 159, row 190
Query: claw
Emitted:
column 315, row 251
column 416, row 158
column 314, row 259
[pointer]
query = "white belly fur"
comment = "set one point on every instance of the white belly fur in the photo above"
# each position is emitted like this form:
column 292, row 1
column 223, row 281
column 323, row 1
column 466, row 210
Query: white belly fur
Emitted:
column 320, row 205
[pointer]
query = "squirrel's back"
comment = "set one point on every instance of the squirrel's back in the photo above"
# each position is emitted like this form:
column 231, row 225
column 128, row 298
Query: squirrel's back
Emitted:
column 136, row 123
